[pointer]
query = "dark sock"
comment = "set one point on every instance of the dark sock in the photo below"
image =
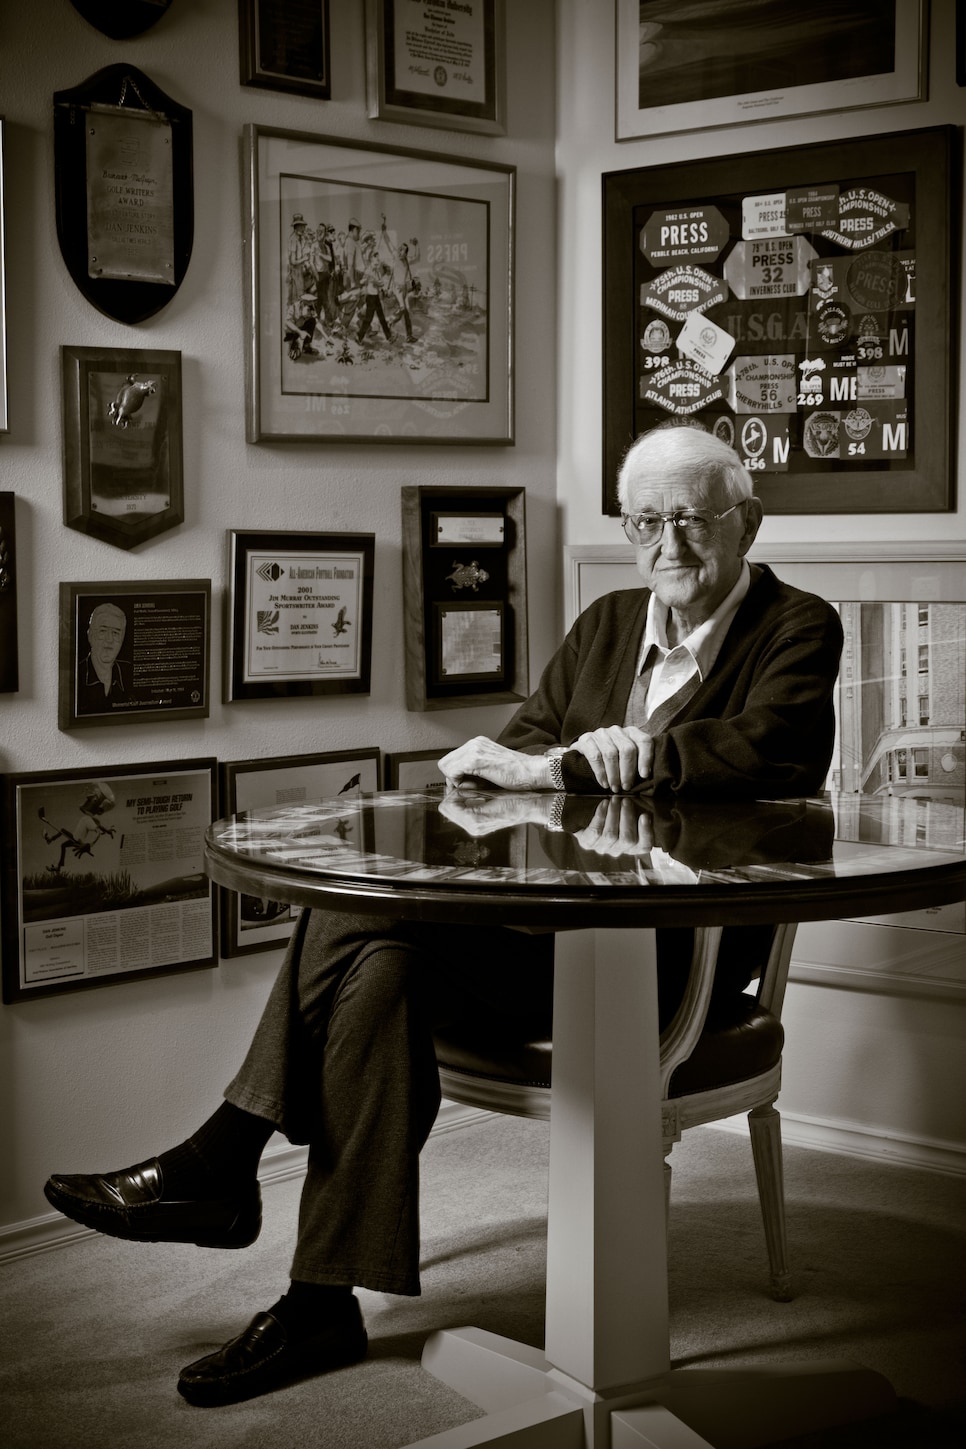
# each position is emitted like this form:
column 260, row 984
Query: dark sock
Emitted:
column 219, row 1158
column 307, row 1307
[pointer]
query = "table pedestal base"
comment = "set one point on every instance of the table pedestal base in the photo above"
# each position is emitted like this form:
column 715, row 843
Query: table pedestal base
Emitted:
column 531, row 1405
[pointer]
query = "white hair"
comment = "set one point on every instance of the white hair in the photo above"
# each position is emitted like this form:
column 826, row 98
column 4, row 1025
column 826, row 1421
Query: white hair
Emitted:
column 678, row 453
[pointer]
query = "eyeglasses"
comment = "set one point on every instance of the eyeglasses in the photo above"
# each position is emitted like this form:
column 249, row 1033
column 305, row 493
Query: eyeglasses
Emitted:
column 697, row 527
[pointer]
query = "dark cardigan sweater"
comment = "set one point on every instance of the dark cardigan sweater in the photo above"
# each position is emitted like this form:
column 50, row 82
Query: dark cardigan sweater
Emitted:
column 760, row 726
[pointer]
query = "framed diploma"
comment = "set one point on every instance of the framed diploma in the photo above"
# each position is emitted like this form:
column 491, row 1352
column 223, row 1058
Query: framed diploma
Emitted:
column 437, row 65
column 124, row 191
column 796, row 302
column 122, row 449
column 134, row 651
column 380, row 288
column 255, row 923
column 104, row 876
column 283, row 45
column 299, row 614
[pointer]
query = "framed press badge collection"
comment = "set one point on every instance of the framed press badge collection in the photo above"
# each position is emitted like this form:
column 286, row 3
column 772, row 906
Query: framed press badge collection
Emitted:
column 796, row 302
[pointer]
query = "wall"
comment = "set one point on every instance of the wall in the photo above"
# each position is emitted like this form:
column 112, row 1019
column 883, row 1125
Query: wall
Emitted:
column 107, row 1075
column 860, row 1067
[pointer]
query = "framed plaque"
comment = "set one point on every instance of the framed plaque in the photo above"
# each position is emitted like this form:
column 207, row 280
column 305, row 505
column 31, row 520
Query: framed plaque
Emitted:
column 469, row 642
column 124, row 191
column 123, row 464
column 299, row 614
column 283, row 45
column 435, row 65
column 104, row 876
column 797, row 302
column 134, row 651
column 9, row 655
column 255, row 923
column 465, row 596
column 380, row 284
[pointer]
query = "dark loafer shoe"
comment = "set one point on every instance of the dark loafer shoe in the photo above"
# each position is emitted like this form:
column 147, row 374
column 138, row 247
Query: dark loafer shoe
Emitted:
column 131, row 1204
column 264, row 1358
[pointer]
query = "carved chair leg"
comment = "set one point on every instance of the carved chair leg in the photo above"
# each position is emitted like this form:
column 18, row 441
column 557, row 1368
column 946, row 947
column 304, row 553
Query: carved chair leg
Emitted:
column 764, row 1124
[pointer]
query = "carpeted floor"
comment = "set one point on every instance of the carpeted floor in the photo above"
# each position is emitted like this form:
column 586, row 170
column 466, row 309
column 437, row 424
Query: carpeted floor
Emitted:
column 93, row 1335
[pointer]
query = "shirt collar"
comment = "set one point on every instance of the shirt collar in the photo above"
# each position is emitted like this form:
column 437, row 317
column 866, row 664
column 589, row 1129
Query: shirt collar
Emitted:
column 704, row 642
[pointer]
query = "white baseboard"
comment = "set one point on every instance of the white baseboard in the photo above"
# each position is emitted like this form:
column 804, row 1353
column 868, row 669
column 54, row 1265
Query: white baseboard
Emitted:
column 279, row 1164
column 853, row 1139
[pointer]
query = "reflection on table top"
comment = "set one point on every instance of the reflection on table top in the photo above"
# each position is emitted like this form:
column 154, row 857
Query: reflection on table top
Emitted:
column 512, row 847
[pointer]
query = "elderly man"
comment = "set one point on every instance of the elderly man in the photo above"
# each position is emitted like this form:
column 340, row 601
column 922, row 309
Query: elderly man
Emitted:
column 100, row 679
column 713, row 680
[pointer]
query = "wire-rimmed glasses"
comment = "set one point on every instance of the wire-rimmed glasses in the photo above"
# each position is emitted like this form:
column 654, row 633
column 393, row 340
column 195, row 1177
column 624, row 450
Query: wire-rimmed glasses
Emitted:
column 697, row 525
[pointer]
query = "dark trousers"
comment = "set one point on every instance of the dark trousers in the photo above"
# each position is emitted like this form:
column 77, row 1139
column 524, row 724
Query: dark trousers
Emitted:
column 343, row 1060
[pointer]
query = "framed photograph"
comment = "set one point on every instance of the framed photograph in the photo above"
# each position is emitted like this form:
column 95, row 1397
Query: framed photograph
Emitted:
column 123, row 467
column 251, row 923
column 4, row 415
column 104, row 877
column 380, row 286
column 299, row 614
column 283, row 45
column 416, row 769
column 797, row 302
column 695, row 67
column 134, row 651
column 437, row 65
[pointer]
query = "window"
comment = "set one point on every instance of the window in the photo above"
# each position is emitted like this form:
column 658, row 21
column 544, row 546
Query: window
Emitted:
column 901, row 764
column 903, row 716
column 924, row 709
column 921, row 764
column 923, row 658
column 924, row 613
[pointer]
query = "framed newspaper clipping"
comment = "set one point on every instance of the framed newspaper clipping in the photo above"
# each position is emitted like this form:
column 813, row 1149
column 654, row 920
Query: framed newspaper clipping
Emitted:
column 103, row 876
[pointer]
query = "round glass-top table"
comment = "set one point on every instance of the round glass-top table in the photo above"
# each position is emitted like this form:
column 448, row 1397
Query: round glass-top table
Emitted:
column 603, row 871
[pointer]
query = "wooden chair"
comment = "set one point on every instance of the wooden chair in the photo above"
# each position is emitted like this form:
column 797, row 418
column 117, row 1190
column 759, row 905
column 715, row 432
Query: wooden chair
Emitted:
column 710, row 1069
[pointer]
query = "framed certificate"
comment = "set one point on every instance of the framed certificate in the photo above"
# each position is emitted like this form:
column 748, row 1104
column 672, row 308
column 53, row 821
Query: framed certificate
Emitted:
column 436, row 65
column 131, row 652
column 299, row 614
